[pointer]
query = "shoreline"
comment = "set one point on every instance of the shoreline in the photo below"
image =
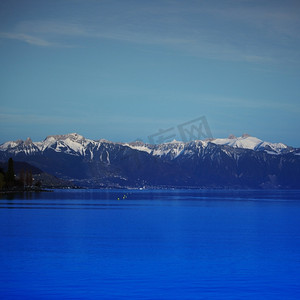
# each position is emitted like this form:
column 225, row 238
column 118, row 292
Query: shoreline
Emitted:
column 3, row 192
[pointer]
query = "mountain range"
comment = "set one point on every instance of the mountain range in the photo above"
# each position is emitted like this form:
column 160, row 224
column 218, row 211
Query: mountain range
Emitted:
column 233, row 162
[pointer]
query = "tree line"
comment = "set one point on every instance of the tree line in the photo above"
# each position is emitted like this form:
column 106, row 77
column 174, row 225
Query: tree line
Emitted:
column 9, row 180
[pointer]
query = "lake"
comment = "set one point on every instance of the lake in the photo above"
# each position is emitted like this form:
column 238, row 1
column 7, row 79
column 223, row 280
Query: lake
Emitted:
column 150, row 244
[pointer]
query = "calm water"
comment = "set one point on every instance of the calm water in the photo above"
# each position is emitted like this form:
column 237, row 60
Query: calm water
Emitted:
column 87, row 244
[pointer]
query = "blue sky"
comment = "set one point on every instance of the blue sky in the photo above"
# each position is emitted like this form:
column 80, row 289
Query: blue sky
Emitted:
column 121, row 70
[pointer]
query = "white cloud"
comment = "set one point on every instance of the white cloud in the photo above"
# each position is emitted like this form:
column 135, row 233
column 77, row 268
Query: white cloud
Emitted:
column 235, row 30
column 29, row 39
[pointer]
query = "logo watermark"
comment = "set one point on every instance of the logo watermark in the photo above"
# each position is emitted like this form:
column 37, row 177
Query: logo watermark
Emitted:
column 196, row 129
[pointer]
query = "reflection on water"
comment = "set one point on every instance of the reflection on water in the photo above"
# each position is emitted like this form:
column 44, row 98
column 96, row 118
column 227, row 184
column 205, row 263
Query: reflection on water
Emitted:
column 161, row 244
column 107, row 194
column 19, row 195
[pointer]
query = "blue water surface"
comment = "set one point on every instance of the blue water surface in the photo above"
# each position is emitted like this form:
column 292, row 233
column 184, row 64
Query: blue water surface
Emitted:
column 150, row 244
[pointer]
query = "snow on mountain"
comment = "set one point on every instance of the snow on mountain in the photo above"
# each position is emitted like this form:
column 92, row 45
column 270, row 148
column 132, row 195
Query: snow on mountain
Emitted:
column 27, row 146
column 69, row 143
column 248, row 142
column 175, row 148
column 232, row 162
column 170, row 149
column 10, row 145
column 75, row 144
column 140, row 146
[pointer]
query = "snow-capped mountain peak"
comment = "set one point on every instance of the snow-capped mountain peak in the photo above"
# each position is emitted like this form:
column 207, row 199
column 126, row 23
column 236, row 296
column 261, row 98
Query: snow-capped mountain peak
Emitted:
column 72, row 143
column 174, row 142
column 249, row 142
column 76, row 144
column 28, row 142
column 234, row 162
column 246, row 142
column 10, row 145
column 71, row 136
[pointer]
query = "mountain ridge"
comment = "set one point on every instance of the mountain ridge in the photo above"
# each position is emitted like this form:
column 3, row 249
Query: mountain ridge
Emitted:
column 76, row 142
column 235, row 162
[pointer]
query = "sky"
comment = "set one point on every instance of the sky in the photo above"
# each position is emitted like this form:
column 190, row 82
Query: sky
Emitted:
column 123, row 70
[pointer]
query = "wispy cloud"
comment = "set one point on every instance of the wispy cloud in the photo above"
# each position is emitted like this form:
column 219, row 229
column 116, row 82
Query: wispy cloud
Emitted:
column 235, row 30
column 34, row 40
column 202, row 43
column 29, row 39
